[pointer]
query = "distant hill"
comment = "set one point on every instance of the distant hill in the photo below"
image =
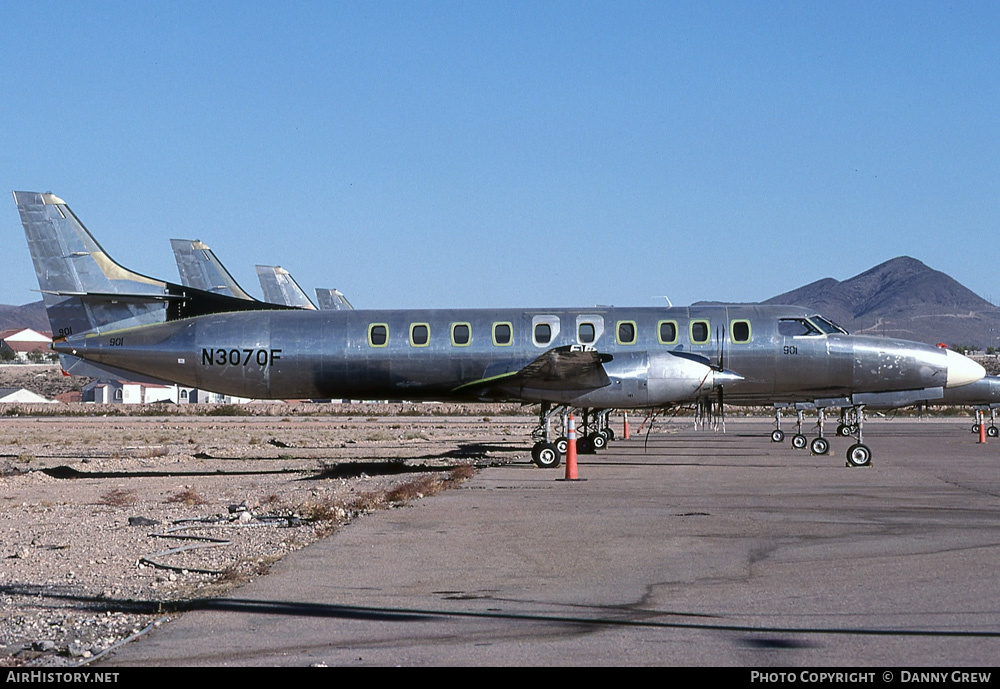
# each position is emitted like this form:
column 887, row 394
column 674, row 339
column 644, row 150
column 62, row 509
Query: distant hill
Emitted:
column 903, row 298
column 27, row 316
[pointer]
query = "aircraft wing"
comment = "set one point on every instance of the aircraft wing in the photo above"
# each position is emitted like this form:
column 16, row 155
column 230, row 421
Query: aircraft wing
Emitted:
column 562, row 368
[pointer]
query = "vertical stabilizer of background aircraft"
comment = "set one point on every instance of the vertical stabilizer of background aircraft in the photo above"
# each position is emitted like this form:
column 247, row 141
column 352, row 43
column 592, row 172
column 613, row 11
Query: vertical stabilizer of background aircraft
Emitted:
column 332, row 300
column 280, row 288
column 199, row 268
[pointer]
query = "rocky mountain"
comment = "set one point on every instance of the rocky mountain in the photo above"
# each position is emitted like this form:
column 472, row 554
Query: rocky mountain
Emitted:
column 27, row 316
column 903, row 298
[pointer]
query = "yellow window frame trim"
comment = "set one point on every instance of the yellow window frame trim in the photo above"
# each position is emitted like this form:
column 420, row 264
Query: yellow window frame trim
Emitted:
column 414, row 326
column 677, row 332
column 372, row 326
column 708, row 331
column 749, row 331
column 455, row 325
column 493, row 334
column 635, row 332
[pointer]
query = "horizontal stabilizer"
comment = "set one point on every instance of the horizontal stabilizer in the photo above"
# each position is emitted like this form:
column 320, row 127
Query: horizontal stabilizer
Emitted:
column 114, row 296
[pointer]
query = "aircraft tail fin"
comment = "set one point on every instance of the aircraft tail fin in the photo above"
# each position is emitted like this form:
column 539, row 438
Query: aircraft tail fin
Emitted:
column 332, row 300
column 72, row 269
column 85, row 290
column 280, row 287
column 200, row 268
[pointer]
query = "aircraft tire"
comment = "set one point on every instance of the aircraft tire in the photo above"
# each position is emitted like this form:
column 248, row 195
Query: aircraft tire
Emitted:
column 545, row 455
column 993, row 431
column 858, row 455
column 599, row 440
column 819, row 446
column 975, row 428
column 777, row 436
column 562, row 444
column 799, row 441
column 843, row 430
column 609, row 434
column 585, row 445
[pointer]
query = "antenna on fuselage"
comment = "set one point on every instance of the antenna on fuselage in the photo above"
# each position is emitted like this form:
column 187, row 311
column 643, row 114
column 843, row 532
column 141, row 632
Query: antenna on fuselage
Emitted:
column 669, row 303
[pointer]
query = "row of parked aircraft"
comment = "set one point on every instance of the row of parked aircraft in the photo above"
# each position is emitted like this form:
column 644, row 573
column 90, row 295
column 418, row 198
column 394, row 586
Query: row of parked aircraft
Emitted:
column 210, row 334
column 199, row 267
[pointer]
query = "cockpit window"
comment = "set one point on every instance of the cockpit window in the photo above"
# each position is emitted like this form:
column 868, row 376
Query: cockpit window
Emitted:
column 797, row 327
column 826, row 325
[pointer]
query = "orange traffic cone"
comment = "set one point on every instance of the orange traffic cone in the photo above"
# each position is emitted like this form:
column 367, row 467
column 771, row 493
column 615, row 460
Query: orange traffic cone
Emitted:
column 571, row 450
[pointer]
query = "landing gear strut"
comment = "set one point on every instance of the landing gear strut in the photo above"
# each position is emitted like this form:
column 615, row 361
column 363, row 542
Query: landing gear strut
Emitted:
column 593, row 434
column 546, row 453
column 858, row 454
column 991, row 430
column 819, row 445
column 799, row 441
column 777, row 435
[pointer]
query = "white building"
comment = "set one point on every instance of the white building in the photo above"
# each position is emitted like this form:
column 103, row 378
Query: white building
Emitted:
column 23, row 396
column 22, row 342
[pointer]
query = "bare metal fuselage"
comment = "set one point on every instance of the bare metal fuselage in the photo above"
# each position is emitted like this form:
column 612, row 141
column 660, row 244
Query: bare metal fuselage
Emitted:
column 329, row 354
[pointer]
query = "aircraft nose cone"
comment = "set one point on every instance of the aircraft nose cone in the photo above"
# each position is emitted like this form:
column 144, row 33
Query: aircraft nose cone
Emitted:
column 962, row 370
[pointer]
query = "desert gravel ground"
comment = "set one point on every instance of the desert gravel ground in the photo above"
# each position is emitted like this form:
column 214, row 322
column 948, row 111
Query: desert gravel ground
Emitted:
column 96, row 501
column 93, row 506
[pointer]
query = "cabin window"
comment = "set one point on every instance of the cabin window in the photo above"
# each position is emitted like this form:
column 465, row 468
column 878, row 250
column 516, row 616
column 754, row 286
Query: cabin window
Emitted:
column 586, row 333
column 626, row 332
column 502, row 334
column 461, row 334
column 378, row 335
column 420, row 334
column 667, row 332
column 740, row 331
column 543, row 333
column 699, row 332
column 544, row 329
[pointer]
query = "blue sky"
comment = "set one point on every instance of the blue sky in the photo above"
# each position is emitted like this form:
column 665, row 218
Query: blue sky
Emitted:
column 447, row 154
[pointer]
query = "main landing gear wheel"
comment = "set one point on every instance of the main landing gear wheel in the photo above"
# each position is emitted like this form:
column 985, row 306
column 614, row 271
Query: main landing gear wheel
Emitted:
column 843, row 430
column 859, row 455
column 799, row 441
column 545, row 455
column 599, row 441
column 993, row 431
column 585, row 445
column 819, row 446
column 609, row 433
column 777, row 436
column 562, row 444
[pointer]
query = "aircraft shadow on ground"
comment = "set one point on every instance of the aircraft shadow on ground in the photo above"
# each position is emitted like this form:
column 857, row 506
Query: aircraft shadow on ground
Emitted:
column 334, row 611
column 67, row 472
